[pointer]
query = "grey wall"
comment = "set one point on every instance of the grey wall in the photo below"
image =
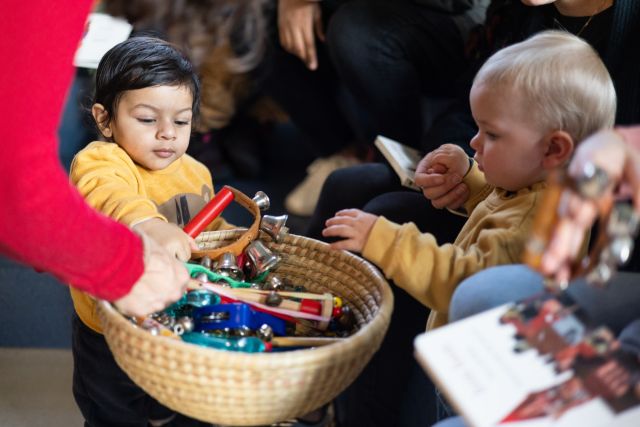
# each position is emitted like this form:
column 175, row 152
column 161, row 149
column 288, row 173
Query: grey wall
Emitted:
column 35, row 309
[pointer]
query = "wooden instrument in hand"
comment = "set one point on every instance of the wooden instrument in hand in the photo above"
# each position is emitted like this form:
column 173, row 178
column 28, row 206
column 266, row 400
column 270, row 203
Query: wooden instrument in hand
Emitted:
column 548, row 217
column 212, row 210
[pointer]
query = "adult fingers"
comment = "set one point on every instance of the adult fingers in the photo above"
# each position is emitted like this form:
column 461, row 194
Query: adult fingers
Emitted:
column 309, row 48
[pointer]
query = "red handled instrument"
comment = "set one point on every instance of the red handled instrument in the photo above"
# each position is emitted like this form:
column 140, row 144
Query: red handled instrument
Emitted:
column 210, row 211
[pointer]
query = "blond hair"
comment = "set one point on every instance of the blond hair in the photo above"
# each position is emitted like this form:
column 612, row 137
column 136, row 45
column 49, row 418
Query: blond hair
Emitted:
column 563, row 80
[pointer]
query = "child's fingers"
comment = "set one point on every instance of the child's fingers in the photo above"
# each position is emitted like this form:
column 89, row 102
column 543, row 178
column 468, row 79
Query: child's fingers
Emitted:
column 348, row 212
column 439, row 168
column 429, row 180
column 339, row 220
column 339, row 230
column 452, row 199
column 346, row 245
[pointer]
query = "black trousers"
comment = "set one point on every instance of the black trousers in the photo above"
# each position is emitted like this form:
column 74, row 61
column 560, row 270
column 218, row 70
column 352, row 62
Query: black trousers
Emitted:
column 392, row 390
column 105, row 394
column 380, row 59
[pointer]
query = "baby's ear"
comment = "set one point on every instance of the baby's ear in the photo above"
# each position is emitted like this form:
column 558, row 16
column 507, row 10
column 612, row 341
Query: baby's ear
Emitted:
column 559, row 148
column 101, row 116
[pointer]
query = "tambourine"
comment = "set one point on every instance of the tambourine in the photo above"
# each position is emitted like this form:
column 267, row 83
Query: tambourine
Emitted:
column 614, row 242
column 211, row 210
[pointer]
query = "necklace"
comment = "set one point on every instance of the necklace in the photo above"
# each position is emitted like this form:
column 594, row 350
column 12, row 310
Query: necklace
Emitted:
column 585, row 25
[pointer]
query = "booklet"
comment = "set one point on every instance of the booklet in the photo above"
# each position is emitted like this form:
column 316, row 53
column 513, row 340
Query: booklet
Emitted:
column 402, row 158
column 535, row 363
column 102, row 32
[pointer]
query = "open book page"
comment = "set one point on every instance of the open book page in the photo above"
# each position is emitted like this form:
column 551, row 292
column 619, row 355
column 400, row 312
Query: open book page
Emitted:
column 102, row 32
column 402, row 158
column 536, row 363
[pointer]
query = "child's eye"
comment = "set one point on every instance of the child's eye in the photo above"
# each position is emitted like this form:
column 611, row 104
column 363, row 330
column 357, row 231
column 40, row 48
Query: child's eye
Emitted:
column 491, row 135
column 182, row 122
column 145, row 120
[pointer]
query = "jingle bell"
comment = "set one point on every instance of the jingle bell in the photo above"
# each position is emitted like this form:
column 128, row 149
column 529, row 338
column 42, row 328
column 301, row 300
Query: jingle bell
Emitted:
column 273, row 299
column 600, row 275
column 261, row 258
column 228, row 267
column 202, row 277
column 274, row 226
column 265, row 333
column 623, row 220
column 274, row 283
column 206, row 262
column 183, row 325
column 620, row 249
column 262, row 200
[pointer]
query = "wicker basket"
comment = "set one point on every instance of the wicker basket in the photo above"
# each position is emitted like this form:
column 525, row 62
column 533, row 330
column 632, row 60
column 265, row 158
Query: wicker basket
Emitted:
column 253, row 389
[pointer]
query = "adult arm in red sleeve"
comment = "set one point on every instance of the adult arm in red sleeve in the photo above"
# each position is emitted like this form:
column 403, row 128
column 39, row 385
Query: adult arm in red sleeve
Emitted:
column 44, row 222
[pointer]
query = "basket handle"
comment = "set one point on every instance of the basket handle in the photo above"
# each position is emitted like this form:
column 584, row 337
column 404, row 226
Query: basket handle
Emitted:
column 247, row 237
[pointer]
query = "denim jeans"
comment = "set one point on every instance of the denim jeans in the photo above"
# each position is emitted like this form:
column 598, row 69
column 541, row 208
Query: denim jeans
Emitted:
column 615, row 306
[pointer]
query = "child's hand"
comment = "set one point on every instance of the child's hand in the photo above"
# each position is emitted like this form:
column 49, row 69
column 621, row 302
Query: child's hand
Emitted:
column 170, row 237
column 353, row 225
column 440, row 174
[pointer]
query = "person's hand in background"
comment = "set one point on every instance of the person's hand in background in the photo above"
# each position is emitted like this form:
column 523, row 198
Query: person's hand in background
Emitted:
column 440, row 175
column 298, row 20
column 163, row 281
column 607, row 151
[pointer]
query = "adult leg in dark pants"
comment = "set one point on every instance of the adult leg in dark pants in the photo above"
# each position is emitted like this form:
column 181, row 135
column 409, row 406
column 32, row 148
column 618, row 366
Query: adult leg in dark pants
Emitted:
column 389, row 55
column 310, row 98
column 375, row 188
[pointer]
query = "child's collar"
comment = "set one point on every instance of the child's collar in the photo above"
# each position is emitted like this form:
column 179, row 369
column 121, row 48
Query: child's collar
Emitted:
column 525, row 190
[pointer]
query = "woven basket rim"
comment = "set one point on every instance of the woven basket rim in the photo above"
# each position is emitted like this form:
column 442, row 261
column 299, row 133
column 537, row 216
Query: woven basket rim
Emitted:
column 359, row 338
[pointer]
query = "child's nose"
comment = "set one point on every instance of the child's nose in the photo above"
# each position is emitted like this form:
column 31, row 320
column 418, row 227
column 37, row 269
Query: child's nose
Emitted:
column 167, row 131
column 476, row 142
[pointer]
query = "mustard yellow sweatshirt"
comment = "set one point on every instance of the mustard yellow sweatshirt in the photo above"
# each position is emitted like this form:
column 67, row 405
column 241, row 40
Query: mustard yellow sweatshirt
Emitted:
column 113, row 184
column 494, row 234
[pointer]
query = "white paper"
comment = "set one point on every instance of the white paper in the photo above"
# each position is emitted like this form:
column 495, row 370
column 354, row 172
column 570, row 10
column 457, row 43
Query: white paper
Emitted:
column 102, row 32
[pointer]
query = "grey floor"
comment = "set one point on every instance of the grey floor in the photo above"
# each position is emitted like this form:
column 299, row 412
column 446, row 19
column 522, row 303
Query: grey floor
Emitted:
column 35, row 388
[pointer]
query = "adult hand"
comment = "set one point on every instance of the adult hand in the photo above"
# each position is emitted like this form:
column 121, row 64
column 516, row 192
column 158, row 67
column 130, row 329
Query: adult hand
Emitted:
column 440, row 175
column 164, row 281
column 608, row 151
column 297, row 22
column 169, row 236
column 353, row 225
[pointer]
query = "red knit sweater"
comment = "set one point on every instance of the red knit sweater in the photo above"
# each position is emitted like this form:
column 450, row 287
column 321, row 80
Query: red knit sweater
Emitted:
column 43, row 220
